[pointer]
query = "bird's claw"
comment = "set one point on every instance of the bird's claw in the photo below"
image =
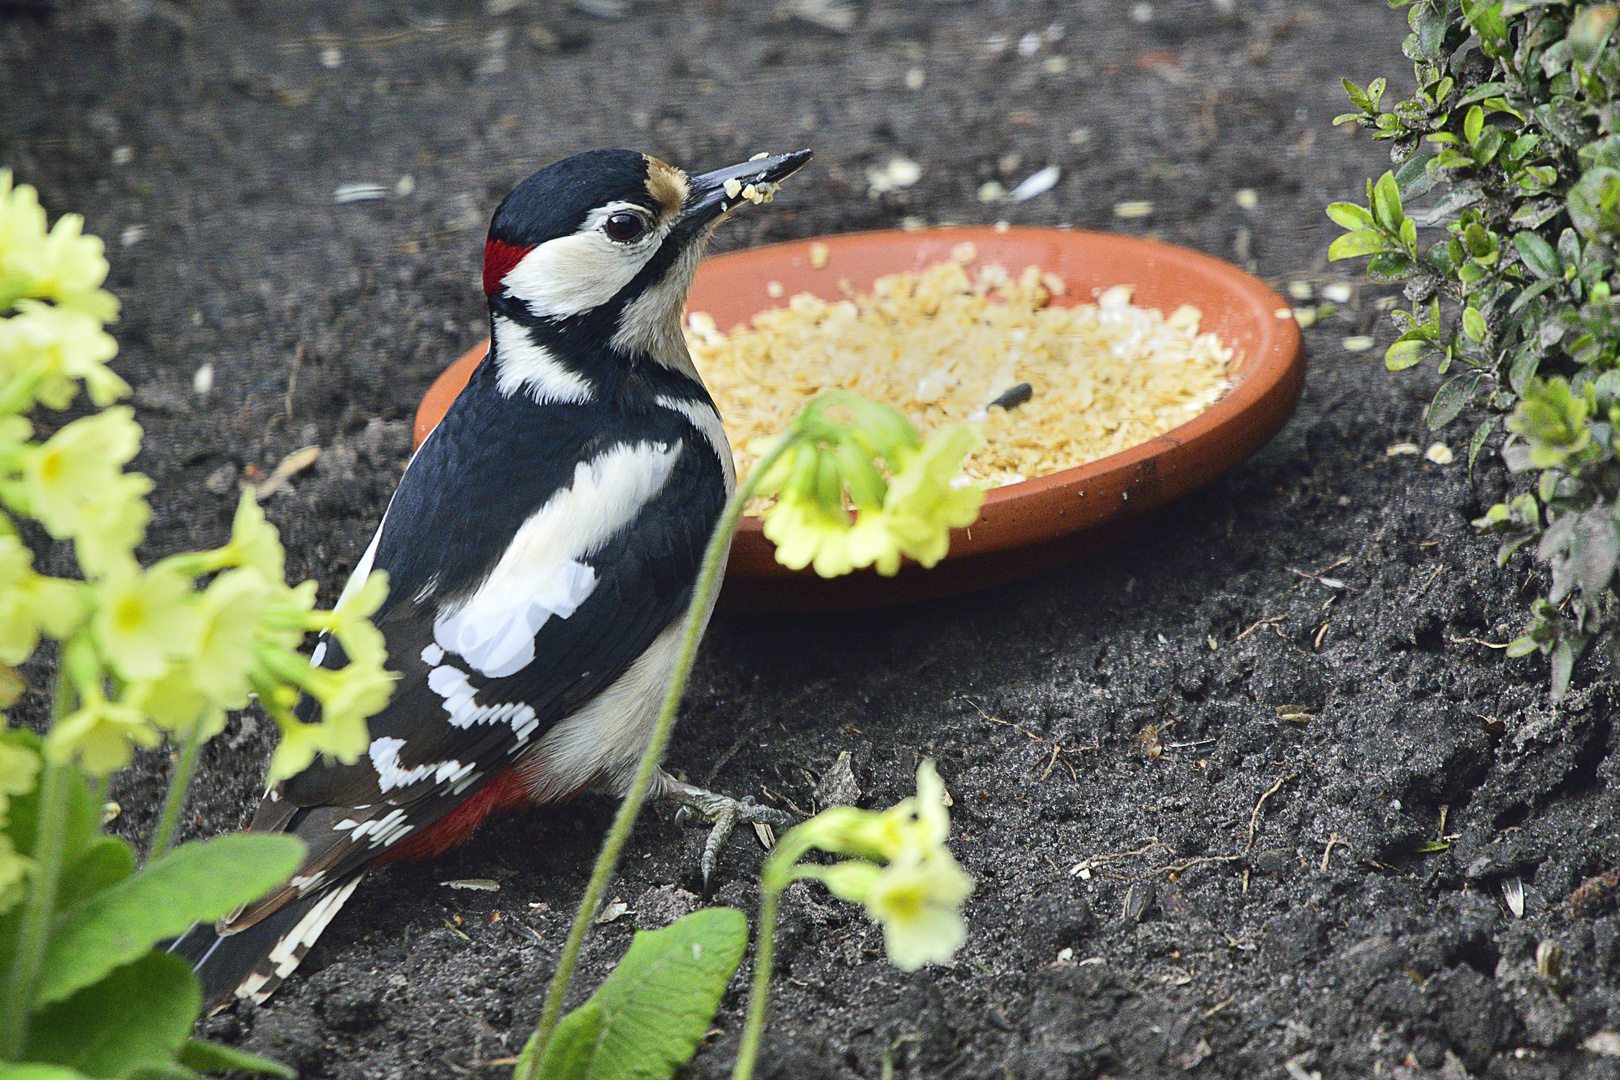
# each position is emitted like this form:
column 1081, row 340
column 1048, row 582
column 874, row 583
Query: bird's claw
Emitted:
column 722, row 813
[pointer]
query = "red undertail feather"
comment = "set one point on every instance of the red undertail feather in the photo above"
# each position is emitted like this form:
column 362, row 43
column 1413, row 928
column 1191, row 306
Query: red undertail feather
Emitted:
column 505, row 792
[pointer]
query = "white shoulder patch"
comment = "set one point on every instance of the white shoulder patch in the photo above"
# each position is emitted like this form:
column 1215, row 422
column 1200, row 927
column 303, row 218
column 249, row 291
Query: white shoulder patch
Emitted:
column 541, row 573
column 522, row 365
column 385, row 759
column 707, row 421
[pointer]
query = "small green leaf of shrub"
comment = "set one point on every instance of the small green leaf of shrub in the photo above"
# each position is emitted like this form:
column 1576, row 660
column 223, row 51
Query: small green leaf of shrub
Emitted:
column 195, row 881
column 647, row 1019
column 139, row 1015
column 1511, row 269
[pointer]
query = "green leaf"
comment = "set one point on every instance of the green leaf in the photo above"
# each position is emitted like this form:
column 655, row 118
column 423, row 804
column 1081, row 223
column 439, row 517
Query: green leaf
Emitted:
column 141, row 1014
column 1474, row 325
column 1525, row 366
column 1538, row 255
column 199, row 881
column 32, row 1071
column 1358, row 97
column 1473, row 123
column 1450, row 400
column 1406, row 353
column 657, row 1004
column 1589, row 31
column 1594, row 204
column 1353, row 244
column 1429, row 847
column 1386, row 204
column 206, row 1057
column 571, row 1049
column 1477, row 443
column 1414, row 178
column 83, row 811
column 1349, row 215
column 1564, row 656
column 107, row 861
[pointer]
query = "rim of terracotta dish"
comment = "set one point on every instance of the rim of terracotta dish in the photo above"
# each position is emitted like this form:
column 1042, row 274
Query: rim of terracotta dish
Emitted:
column 1257, row 369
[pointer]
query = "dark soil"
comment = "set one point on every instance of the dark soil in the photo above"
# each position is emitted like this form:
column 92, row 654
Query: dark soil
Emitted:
column 1134, row 711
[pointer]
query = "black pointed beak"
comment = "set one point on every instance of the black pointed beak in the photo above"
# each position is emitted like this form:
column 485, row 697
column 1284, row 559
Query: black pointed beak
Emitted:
column 715, row 194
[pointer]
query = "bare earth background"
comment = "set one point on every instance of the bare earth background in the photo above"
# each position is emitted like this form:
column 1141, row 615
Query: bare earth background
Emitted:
column 206, row 140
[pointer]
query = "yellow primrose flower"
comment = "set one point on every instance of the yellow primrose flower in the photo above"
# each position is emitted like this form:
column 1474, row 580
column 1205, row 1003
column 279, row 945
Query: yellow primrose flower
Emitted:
column 143, row 618
column 79, row 466
column 804, row 532
column 14, row 870
column 915, row 828
column 347, row 698
column 99, row 734
column 174, row 703
column 224, row 649
column 922, row 507
column 61, row 265
column 19, row 772
column 350, row 621
column 112, row 526
column 59, row 345
column 255, row 542
column 873, row 543
column 918, row 904
column 31, row 602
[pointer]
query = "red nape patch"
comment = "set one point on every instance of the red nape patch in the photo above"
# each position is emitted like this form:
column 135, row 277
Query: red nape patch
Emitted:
column 499, row 258
column 504, row 792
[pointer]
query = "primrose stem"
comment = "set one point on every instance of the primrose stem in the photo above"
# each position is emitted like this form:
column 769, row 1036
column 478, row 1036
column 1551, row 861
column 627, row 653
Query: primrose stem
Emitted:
column 179, row 783
column 697, row 617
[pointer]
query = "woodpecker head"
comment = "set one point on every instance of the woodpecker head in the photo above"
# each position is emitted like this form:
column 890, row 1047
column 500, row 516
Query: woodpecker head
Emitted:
column 597, row 251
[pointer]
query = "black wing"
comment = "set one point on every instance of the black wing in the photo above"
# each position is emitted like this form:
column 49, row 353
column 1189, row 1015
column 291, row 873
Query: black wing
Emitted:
column 486, row 469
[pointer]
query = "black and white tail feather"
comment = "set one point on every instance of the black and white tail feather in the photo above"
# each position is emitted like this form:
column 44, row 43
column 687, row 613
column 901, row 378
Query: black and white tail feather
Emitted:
column 541, row 548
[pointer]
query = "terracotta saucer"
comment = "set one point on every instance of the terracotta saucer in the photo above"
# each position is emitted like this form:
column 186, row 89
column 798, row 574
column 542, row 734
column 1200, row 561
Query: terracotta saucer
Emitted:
column 1039, row 524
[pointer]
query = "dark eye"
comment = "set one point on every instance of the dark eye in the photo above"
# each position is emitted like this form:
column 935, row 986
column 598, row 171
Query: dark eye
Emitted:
column 624, row 226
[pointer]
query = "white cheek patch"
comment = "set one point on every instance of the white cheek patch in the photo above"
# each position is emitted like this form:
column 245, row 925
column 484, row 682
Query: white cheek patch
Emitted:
column 530, row 367
column 651, row 323
column 575, row 273
column 541, row 573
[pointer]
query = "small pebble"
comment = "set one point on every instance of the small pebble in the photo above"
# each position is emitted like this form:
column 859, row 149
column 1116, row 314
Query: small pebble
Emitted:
column 1358, row 343
column 1029, row 44
column 915, row 78
column 331, row 57
column 405, row 185
column 1079, row 136
column 1306, row 317
column 1299, row 290
column 1038, row 183
column 1246, row 198
column 1403, row 449
column 774, row 290
column 132, row 235
column 1133, row 209
column 991, row 191
column 1439, row 453
column 202, row 382
column 1142, row 13
column 818, row 255
column 1338, row 292
column 1055, row 65
column 123, row 155
column 912, row 223
column 1002, row 226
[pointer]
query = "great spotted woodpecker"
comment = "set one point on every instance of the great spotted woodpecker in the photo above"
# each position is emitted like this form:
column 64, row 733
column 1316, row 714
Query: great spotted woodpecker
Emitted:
column 541, row 549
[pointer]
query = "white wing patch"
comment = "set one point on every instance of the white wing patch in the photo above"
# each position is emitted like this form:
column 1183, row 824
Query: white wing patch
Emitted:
column 707, row 421
column 390, row 774
column 540, row 574
column 450, row 683
column 523, row 364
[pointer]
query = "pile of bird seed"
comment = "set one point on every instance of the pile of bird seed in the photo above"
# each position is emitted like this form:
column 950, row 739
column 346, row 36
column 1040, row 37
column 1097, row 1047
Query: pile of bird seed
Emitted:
column 943, row 344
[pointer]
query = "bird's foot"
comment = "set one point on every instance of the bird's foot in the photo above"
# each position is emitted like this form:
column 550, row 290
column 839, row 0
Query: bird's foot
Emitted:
column 722, row 812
